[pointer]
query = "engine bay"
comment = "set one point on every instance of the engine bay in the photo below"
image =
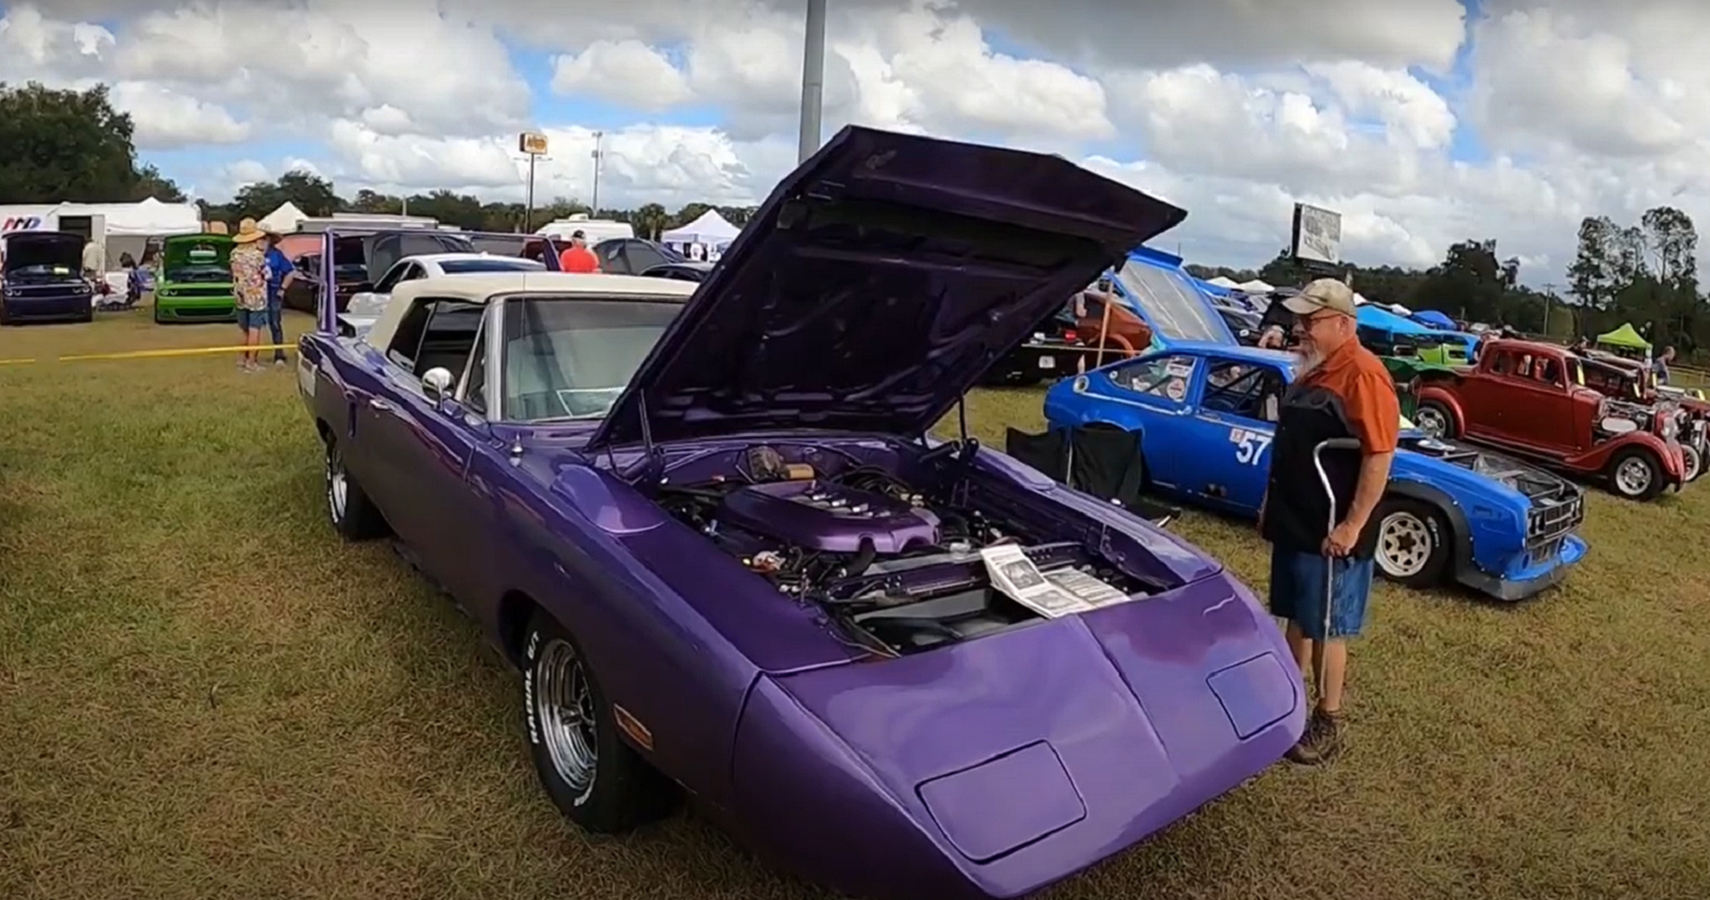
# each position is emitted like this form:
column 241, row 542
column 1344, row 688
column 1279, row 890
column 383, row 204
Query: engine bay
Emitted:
column 898, row 566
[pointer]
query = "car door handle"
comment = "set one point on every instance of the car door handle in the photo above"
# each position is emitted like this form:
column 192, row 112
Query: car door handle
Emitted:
column 377, row 403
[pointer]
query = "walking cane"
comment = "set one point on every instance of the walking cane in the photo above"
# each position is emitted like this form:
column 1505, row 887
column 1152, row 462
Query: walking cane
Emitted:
column 1329, row 561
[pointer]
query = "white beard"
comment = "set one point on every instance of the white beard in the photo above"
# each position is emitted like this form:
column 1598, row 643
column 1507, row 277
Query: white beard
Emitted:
column 1306, row 362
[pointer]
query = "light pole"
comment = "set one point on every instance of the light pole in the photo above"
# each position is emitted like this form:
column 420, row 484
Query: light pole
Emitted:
column 813, row 80
column 594, row 211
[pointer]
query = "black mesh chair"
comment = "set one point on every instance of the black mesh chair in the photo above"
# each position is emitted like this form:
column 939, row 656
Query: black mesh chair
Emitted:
column 1101, row 460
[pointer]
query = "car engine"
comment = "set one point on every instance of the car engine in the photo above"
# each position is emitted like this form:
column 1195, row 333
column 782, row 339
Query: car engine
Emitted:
column 898, row 569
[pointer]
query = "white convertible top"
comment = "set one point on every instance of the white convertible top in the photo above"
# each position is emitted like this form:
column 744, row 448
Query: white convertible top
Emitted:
column 484, row 286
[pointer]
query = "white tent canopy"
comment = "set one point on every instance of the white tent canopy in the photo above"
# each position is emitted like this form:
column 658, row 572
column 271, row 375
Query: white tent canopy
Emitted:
column 282, row 220
column 1223, row 281
column 146, row 218
column 711, row 229
column 1255, row 287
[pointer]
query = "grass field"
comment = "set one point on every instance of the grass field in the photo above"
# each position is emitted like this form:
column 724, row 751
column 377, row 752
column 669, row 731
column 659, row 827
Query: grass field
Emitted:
column 204, row 694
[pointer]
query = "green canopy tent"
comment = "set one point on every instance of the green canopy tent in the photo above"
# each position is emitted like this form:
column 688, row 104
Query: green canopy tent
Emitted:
column 1625, row 338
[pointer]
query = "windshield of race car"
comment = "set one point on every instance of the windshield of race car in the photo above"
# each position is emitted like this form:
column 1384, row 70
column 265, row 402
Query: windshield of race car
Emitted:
column 1172, row 304
column 570, row 358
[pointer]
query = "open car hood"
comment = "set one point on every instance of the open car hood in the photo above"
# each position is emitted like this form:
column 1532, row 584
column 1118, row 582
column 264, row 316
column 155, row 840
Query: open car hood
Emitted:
column 178, row 250
column 876, row 285
column 25, row 249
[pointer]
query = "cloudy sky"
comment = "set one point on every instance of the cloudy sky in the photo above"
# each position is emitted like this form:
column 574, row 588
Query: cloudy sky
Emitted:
column 1423, row 121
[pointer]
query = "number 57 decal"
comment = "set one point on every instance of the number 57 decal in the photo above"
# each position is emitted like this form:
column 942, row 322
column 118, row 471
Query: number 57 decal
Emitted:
column 1249, row 445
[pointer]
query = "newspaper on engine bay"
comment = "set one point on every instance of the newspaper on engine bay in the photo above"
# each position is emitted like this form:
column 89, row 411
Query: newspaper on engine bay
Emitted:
column 1057, row 594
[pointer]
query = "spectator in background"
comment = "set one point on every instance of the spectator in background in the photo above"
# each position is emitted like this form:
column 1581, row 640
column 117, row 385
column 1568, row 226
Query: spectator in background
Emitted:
column 280, row 274
column 249, row 286
column 577, row 257
column 94, row 262
column 1660, row 364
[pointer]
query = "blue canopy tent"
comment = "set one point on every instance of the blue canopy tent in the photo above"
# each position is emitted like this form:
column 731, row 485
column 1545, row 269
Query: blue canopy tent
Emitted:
column 1376, row 317
column 1434, row 319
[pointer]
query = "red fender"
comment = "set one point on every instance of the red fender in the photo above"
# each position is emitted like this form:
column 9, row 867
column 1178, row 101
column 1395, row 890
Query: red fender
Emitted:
column 1447, row 399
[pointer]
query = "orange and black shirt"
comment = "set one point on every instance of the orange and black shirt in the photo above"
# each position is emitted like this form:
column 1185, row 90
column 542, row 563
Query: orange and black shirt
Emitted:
column 1349, row 395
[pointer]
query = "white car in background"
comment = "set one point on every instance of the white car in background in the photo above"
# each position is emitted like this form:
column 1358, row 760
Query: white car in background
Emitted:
column 366, row 305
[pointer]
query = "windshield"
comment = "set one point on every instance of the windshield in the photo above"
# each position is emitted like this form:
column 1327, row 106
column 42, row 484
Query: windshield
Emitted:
column 1171, row 304
column 570, row 359
column 496, row 264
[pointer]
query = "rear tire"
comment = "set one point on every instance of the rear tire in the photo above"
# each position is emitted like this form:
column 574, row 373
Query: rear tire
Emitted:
column 352, row 514
column 1636, row 474
column 1415, row 542
column 594, row 778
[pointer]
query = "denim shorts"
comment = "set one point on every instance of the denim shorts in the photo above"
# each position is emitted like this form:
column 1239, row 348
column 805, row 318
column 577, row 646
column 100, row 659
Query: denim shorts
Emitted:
column 252, row 319
column 1297, row 592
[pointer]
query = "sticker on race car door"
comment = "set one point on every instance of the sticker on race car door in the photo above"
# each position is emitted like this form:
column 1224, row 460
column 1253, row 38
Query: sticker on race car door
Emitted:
column 1176, row 390
column 1249, row 445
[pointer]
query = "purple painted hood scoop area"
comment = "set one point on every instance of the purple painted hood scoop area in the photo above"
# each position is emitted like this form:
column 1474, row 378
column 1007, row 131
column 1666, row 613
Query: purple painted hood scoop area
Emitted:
column 876, row 285
column 830, row 517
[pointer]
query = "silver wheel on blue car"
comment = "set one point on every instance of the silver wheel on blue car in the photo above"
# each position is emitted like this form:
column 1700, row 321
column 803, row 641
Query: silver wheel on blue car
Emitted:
column 1413, row 545
column 585, row 762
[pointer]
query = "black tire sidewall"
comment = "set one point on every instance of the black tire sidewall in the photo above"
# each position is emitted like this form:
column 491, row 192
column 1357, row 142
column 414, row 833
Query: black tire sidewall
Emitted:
column 614, row 801
column 1436, row 525
column 1650, row 460
column 1449, row 430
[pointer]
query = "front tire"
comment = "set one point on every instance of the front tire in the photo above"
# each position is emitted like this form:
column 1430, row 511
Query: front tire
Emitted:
column 1414, row 543
column 352, row 514
column 593, row 777
column 1434, row 419
column 1694, row 463
column 1636, row 474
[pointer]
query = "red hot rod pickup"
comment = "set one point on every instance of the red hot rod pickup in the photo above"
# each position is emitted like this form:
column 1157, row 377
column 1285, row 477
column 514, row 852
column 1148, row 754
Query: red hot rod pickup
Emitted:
column 1530, row 399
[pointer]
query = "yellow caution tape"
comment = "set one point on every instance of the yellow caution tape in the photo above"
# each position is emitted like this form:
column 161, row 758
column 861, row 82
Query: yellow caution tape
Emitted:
column 159, row 354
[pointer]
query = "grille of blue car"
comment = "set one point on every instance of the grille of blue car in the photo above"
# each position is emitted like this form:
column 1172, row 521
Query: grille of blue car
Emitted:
column 1547, row 523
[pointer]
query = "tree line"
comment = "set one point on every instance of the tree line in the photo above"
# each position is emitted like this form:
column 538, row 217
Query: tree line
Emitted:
column 315, row 197
column 1645, row 274
column 72, row 145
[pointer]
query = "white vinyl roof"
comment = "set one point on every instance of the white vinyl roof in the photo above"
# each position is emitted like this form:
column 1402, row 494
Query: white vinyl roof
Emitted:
column 484, row 286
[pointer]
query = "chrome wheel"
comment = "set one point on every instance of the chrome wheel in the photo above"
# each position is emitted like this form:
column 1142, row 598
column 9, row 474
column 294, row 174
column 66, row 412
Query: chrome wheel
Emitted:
column 1431, row 420
column 338, row 485
column 564, row 707
column 1694, row 462
column 1633, row 476
column 1404, row 546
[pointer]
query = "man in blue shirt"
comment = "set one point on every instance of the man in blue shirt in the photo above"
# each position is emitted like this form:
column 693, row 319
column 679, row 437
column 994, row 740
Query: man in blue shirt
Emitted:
column 280, row 273
column 1660, row 364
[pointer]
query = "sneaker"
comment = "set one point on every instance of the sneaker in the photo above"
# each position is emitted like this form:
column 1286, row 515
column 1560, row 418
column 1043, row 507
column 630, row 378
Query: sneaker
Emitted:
column 1321, row 742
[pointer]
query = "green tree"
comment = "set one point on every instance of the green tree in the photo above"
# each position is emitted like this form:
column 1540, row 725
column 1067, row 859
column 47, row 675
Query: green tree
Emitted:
column 64, row 145
column 305, row 190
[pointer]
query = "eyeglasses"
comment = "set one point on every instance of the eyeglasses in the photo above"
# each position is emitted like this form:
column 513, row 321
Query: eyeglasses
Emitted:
column 1304, row 323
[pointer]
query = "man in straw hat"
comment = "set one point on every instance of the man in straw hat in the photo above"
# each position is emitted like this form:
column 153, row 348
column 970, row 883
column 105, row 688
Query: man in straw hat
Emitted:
column 249, row 285
column 1342, row 392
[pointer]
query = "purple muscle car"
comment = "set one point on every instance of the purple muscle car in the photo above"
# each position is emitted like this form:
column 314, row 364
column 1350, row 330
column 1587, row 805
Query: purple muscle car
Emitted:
column 732, row 567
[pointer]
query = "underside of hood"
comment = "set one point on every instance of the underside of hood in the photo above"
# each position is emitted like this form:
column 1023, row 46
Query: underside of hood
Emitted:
column 44, row 248
column 191, row 250
column 876, row 285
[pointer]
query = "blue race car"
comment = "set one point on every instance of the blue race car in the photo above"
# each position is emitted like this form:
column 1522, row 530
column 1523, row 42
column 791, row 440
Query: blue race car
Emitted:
column 1206, row 413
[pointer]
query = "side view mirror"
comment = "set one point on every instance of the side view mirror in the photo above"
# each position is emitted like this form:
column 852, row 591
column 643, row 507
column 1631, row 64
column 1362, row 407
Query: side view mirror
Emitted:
column 436, row 383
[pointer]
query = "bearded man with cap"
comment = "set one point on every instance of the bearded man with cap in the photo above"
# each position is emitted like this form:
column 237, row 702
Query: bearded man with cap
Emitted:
column 1341, row 391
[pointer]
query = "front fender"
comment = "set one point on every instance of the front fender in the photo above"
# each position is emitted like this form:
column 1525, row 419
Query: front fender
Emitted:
column 1597, row 458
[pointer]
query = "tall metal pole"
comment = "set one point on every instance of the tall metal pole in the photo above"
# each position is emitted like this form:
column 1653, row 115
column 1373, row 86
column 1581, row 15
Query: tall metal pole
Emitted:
column 813, row 80
column 594, row 212
column 528, row 207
